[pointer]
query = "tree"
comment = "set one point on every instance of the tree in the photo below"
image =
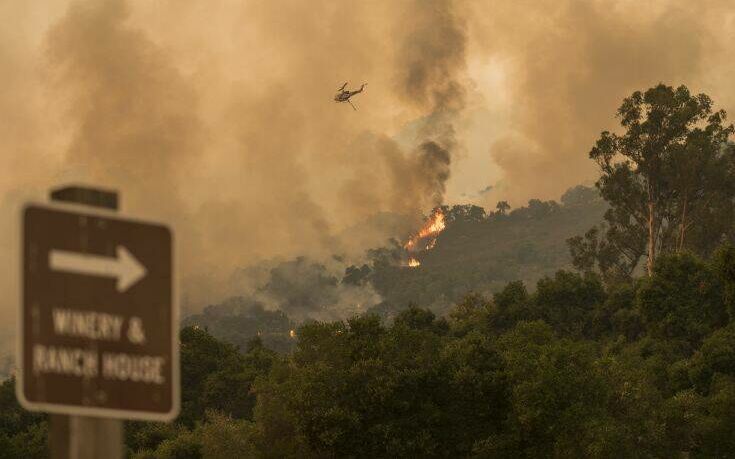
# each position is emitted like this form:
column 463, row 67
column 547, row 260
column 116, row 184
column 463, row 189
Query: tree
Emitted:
column 612, row 250
column 716, row 355
column 470, row 314
column 724, row 265
column 663, row 169
column 568, row 302
column 216, row 375
column 512, row 305
column 701, row 171
column 216, row 437
column 223, row 437
column 503, row 207
column 463, row 213
column 22, row 433
column 555, row 396
column 683, row 299
column 362, row 389
column 580, row 196
column 357, row 276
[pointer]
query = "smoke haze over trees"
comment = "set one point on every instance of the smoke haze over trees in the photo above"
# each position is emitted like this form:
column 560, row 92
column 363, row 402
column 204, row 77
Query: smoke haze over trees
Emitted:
column 258, row 137
column 308, row 332
column 477, row 252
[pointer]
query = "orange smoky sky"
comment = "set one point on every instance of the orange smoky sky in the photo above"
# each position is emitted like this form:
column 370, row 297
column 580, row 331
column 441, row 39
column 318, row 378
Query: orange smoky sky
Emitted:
column 218, row 118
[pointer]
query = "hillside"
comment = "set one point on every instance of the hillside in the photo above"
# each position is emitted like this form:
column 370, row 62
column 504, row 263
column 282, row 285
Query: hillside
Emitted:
column 477, row 252
column 483, row 254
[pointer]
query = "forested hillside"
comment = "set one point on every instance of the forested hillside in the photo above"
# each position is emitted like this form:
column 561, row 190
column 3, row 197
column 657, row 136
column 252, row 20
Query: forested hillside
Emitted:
column 575, row 369
column 477, row 252
column 481, row 253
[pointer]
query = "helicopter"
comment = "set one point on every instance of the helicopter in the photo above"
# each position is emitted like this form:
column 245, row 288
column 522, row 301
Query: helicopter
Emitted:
column 343, row 95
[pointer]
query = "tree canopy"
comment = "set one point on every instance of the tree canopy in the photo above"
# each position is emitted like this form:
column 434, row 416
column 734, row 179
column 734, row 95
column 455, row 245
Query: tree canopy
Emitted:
column 670, row 167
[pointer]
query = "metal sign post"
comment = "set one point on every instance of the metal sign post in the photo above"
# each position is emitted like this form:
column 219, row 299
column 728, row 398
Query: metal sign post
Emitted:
column 98, row 322
column 84, row 437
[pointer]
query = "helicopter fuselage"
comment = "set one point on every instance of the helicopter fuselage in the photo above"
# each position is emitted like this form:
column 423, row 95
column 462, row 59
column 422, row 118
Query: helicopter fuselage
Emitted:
column 343, row 96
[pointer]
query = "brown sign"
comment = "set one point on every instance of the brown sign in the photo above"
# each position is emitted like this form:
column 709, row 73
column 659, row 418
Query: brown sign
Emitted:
column 98, row 331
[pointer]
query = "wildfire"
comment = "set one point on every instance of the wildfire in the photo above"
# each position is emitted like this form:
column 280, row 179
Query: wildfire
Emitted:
column 425, row 239
column 434, row 225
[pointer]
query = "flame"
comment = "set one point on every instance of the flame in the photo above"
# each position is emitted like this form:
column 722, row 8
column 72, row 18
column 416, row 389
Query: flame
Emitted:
column 434, row 225
column 425, row 239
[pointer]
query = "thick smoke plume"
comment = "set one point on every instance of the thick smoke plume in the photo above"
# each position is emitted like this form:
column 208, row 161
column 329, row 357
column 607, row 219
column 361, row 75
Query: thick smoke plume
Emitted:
column 431, row 72
column 133, row 119
column 218, row 117
column 567, row 65
column 220, row 121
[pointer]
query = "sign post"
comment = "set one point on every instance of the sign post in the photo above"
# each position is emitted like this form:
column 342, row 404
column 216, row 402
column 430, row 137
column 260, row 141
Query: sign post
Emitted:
column 98, row 324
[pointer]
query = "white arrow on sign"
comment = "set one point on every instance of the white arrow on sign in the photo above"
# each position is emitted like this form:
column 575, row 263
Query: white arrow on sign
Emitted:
column 125, row 268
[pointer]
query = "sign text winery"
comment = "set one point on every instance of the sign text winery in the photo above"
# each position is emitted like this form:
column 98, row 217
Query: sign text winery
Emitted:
column 98, row 331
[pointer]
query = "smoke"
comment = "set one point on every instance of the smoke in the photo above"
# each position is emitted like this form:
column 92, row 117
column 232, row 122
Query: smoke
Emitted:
column 218, row 118
column 302, row 288
column 429, row 74
column 132, row 116
column 434, row 162
column 305, row 289
column 220, row 122
column 568, row 64
column 431, row 63
column 27, row 155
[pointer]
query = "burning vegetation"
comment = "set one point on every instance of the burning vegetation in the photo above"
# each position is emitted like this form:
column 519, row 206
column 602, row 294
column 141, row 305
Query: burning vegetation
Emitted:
column 425, row 239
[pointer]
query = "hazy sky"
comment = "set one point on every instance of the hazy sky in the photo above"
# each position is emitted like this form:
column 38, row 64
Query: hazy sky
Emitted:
column 217, row 116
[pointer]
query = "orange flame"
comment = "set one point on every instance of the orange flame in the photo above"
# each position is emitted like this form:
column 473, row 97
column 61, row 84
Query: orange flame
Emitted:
column 413, row 263
column 434, row 225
